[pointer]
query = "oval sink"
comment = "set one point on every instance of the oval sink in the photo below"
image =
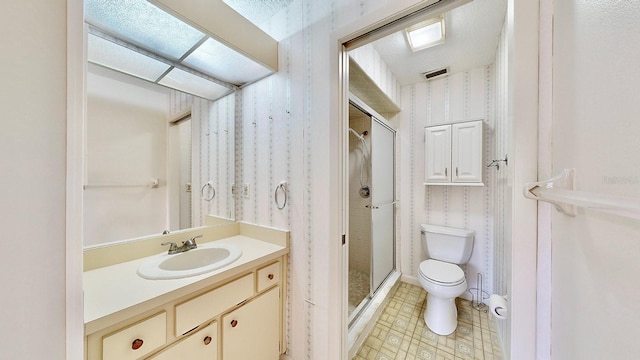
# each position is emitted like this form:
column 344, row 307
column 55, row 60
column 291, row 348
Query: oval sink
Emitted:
column 203, row 259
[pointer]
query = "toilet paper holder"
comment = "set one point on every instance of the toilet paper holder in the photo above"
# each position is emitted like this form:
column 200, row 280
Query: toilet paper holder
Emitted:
column 478, row 295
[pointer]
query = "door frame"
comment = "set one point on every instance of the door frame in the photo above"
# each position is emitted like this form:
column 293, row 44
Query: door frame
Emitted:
column 522, row 24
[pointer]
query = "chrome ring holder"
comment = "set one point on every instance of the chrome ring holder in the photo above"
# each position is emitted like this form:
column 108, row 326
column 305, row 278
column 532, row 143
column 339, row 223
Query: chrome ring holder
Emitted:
column 282, row 187
column 212, row 191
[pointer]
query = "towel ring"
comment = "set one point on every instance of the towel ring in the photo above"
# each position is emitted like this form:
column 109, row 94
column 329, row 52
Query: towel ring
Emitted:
column 212, row 192
column 283, row 188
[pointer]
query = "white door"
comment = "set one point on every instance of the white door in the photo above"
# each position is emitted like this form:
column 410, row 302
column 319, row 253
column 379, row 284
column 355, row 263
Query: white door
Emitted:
column 184, row 128
column 382, row 202
column 437, row 154
column 594, row 128
column 466, row 152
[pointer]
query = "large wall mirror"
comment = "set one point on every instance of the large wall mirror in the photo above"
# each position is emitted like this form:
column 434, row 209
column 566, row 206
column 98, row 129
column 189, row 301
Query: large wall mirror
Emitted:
column 161, row 107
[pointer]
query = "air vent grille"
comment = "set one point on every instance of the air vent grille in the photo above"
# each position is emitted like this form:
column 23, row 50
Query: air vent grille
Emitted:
column 435, row 73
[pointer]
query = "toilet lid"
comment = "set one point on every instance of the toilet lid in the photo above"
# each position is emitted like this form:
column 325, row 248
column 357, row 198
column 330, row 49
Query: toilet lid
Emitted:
column 441, row 272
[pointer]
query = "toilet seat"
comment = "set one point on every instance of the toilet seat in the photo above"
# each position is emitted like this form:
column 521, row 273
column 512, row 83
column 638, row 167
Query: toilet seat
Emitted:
column 441, row 273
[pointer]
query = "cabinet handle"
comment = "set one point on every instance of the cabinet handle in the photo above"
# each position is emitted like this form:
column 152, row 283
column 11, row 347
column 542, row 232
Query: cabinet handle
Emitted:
column 207, row 340
column 270, row 276
column 137, row 344
column 234, row 323
column 445, row 171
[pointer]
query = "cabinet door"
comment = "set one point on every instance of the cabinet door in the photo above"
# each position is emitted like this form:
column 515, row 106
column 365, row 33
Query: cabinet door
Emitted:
column 202, row 345
column 253, row 330
column 466, row 152
column 437, row 154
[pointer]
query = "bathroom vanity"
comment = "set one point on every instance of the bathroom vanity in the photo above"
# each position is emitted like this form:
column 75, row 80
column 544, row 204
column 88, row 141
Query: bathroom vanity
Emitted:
column 234, row 312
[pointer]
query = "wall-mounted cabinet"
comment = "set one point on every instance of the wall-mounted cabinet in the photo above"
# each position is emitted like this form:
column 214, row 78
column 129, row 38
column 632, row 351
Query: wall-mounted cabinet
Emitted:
column 453, row 154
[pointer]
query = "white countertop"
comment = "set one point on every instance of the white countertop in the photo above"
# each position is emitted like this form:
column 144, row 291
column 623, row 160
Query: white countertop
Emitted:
column 115, row 293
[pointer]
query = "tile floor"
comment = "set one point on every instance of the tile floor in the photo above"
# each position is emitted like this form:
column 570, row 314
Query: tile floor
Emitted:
column 401, row 333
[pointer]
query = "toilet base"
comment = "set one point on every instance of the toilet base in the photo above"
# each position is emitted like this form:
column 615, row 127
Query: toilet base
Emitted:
column 441, row 314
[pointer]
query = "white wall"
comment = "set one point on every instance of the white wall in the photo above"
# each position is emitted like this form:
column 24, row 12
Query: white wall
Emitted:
column 462, row 96
column 33, row 147
column 499, row 181
column 126, row 143
column 595, row 266
column 372, row 64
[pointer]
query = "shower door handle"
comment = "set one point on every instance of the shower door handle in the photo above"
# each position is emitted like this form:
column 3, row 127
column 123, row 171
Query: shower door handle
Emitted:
column 373, row 207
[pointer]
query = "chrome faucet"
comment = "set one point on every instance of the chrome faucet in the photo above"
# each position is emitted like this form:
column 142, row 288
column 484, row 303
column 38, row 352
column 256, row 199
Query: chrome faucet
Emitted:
column 186, row 245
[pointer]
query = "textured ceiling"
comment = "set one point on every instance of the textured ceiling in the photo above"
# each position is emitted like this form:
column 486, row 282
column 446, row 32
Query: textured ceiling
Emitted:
column 258, row 11
column 472, row 34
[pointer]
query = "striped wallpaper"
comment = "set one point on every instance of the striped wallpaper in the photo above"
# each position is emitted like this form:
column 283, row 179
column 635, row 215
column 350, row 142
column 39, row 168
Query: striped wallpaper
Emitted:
column 462, row 96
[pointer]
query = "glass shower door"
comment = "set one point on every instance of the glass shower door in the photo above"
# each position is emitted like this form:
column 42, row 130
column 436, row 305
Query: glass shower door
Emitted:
column 382, row 202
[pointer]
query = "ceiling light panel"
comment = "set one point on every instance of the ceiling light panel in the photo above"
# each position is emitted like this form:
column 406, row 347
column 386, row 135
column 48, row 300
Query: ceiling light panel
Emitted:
column 221, row 62
column 426, row 34
column 192, row 84
column 108, row 54
column 143, row 24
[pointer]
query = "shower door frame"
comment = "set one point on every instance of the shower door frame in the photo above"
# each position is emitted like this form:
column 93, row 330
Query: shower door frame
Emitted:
column 375, row 117
column 373, row 285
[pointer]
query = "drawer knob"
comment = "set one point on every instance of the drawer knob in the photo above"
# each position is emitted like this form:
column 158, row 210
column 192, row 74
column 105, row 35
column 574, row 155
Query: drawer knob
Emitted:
column 270, row 276
column 234, row 323
column 207, row 340
column 137, row 344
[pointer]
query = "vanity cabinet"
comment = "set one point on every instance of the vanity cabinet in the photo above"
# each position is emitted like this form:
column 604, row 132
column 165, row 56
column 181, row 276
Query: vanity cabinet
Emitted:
column 453, row 154
column 237, row 319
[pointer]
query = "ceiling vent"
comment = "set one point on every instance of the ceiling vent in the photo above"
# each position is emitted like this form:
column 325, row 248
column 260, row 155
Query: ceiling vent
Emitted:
column 435, row 73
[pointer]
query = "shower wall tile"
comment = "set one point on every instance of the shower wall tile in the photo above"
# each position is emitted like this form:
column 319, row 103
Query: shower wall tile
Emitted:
column 458, row 97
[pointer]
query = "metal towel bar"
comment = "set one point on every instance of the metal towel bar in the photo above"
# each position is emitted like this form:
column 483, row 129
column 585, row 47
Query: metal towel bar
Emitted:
column 153, row 183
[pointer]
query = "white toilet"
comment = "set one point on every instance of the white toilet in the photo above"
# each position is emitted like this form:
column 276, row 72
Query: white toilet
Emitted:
column 440, row 275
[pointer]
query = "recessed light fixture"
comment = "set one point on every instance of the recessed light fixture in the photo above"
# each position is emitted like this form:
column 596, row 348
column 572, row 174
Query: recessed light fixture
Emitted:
column 426, row 34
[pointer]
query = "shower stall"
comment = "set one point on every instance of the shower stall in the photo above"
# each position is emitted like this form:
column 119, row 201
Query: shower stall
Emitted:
column 371, row 206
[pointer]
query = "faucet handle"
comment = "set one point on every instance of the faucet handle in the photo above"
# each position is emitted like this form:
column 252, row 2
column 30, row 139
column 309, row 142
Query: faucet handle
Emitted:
column 172, row 246
column 191, row 243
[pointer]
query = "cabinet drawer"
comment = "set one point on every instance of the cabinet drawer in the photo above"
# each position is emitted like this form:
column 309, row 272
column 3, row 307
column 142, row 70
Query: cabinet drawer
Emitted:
column 268, row 276
column 203, row 345
column 194, row 312
column 136, row 340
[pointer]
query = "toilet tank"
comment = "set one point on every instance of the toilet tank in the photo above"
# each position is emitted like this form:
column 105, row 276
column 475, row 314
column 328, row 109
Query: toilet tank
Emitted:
column 448, row 244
